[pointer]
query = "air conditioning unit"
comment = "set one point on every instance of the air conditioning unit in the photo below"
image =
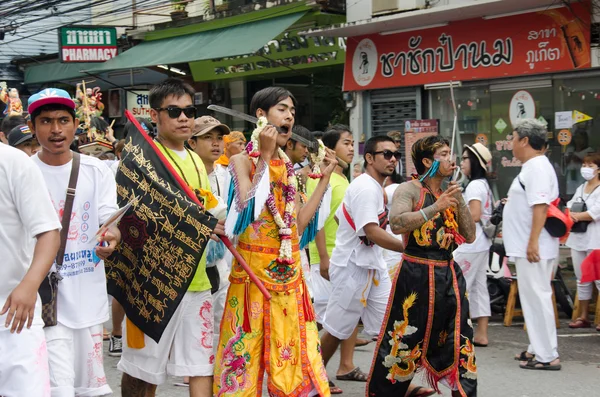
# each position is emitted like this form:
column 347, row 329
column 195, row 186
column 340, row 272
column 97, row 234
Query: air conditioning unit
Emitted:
column 381, row 7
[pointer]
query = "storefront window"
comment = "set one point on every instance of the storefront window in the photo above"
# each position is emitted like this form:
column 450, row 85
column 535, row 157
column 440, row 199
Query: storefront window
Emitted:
column 579, row 98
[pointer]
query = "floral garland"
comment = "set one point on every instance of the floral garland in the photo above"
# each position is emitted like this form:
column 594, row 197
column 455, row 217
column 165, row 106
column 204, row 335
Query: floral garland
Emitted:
column 316, row 159
column 284, row 223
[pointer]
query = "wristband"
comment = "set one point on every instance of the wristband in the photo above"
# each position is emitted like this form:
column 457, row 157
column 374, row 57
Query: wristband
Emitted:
column 424, row 216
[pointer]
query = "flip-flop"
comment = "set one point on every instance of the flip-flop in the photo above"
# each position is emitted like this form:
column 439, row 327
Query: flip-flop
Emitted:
column 362, row 342
column 580, row 323
column 355, row 375
column 477, row 344
column 426, row 393
column 535, row 364
column 333, row 389
column 181, row 384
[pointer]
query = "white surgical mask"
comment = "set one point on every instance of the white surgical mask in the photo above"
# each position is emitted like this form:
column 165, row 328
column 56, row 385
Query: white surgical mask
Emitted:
column 588, row 173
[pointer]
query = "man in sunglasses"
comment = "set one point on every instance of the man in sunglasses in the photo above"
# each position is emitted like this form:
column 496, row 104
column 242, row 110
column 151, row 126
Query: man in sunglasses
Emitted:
column 427, row 322
column 186, row 346
column 357, row 270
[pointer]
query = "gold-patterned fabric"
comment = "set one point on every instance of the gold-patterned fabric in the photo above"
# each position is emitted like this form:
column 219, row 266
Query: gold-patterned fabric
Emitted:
column 283, row 337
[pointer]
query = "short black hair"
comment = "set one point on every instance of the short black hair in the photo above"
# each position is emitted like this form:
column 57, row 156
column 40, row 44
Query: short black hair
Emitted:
column 332, row 137
column 317, row 134
column 51, row 107
column 425, row 148
column 371, row 145
column 477, row 171
column 301, row 131
column 340, row 128
column 268, row 97
column 172, row 86
column 11, row 122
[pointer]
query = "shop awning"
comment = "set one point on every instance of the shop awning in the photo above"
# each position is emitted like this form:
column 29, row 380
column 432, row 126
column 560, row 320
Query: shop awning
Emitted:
column 231, row 41
column 435, row 16
column 56, row 71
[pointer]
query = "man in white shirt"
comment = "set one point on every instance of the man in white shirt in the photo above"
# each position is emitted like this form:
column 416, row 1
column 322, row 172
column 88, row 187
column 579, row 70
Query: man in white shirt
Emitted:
column 207, row 142
column 24, row 363
column 530, row 245
column 75, row 343
column 358, row 272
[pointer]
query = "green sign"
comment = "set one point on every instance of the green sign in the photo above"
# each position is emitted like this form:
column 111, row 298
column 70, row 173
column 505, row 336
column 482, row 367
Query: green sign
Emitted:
column 87, row 43
column 287, row 51
column 501, row 125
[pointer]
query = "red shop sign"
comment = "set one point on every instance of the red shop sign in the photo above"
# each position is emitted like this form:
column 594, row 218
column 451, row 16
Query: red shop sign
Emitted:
column 525, row 44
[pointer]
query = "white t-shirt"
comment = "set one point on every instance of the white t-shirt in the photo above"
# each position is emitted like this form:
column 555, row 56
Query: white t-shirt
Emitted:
column 25, row 214
column 590, row 240
column 541, row 187
column 479, row 190
column 364, row 202
column 82, row 298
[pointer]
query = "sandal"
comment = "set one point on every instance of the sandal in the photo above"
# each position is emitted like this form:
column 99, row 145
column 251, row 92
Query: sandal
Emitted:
column 598, row 328
column 356, row 375
column 535, row 364
column 361, row 342
column 420, row 391
column 524, row 356
column 580, row 323
column 333, row 389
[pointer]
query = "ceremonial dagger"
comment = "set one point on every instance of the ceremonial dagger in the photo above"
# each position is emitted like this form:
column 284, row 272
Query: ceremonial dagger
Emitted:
column 312, row 145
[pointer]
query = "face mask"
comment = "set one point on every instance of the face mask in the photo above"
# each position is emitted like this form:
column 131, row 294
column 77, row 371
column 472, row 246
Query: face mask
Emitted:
column 588, row 173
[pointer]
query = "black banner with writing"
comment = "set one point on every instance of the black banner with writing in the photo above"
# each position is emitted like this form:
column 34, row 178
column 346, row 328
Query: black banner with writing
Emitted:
column 163, row 237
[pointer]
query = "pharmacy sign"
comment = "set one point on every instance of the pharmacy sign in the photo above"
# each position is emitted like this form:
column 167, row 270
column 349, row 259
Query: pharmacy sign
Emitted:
column 87, row 43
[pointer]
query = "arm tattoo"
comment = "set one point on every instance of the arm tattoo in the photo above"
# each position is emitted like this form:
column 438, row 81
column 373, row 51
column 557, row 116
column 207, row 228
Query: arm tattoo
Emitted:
column 402, row 217
column 466, row 225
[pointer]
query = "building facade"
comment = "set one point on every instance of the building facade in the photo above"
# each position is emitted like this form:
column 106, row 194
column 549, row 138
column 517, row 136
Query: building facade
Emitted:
column 505, row 60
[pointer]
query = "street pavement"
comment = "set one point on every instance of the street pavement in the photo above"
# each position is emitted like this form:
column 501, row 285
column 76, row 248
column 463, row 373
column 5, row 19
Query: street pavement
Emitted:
column 499, row 374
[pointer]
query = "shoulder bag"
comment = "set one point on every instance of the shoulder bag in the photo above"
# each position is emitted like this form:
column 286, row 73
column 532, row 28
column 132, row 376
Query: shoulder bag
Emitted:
column 581, row 206
column 49, row 288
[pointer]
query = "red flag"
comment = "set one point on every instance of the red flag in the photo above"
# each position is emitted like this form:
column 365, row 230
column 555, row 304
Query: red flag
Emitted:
column 590, row 267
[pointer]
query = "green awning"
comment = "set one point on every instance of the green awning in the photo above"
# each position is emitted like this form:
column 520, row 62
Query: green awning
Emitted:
column 56, row 71
column 231, row 41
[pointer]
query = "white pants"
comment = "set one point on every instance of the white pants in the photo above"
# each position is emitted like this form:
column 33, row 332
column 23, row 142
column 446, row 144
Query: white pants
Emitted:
column 535, row 293
column 584, row 290
column 24, row 363
column 76, row 361
column 321, row 289
column 185, row 348
column 357, row 293
column 473, row 266
column 220, row 296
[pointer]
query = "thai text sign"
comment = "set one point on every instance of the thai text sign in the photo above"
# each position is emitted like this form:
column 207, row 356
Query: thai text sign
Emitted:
column 138, row 103
column 526, row 44
column 287, row 51
column 87, row 44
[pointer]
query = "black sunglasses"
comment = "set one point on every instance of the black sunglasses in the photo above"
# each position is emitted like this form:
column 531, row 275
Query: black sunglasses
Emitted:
column 387, row 154
column 174, row 111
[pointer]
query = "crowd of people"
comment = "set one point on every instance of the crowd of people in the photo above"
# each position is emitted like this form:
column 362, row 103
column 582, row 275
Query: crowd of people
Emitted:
column 406, row 262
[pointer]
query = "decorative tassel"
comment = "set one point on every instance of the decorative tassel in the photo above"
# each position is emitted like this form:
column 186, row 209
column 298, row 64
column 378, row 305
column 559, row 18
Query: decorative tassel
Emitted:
column 310, row 232
column 246, row 326
column 432, row 380
column 245, row 218
column 309, row 311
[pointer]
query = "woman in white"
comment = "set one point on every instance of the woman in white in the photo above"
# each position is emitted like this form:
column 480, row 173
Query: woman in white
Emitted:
column 473, row 258
column 582, row 243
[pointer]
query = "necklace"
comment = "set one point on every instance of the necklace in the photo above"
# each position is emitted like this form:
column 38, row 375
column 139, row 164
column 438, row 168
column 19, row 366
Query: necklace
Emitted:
column 196, row 191
column 283, row 222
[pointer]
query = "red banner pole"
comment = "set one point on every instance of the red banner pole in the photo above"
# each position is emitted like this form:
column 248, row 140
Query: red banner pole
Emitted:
column 193, row 197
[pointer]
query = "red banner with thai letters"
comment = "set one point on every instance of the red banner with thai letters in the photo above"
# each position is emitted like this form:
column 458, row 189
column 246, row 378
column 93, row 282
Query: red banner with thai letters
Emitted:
column 526, row 44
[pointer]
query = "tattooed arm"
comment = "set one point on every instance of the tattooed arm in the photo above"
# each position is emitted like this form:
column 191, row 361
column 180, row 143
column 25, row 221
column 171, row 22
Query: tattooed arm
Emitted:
column 402, row 217
column 466, row 224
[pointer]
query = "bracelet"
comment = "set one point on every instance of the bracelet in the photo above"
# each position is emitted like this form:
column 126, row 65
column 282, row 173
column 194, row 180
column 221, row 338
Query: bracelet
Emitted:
column 424, row 216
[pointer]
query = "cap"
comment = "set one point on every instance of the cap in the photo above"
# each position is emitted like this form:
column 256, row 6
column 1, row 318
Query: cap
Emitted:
column 395, row 135
column 234, row 136
column 205, row 124
column 19, row 135
column 49, row 96
column 481, row 152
